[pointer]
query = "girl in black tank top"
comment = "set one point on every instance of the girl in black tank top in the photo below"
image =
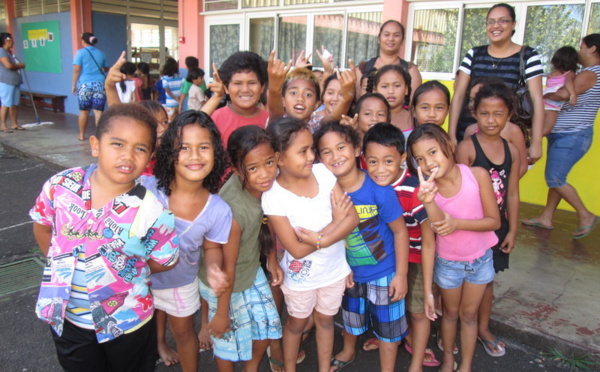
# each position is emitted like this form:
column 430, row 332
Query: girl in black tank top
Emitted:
column 492, row 108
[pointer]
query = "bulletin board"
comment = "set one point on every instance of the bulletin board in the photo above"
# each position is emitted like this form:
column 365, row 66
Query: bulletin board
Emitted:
column 41, row 46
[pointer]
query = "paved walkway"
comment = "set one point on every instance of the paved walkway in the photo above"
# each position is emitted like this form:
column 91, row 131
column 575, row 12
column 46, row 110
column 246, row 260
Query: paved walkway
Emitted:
column 550, row 297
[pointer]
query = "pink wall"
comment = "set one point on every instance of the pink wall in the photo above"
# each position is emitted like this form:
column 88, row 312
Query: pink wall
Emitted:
column 81, row 21
column 398, row 10
column 191, row 27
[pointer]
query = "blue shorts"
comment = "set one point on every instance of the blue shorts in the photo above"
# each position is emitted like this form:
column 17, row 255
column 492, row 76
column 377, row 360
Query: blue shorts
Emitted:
column 564, row 151
column 91, row 96
column 10, row 95
column 451, row 274
column 369, row 304
column 253, row 316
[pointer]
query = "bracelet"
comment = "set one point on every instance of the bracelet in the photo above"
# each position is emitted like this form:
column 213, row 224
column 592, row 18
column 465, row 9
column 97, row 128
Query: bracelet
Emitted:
column 319, row 241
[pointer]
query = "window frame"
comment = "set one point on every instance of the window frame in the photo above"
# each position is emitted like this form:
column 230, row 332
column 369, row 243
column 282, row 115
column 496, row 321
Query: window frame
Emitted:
column 243, row 16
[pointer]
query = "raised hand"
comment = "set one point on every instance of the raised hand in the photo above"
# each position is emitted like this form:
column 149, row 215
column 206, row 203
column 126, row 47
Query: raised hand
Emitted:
column 326, row 60
column 277, row 70
column 351, row 122
column 303, row 61
column 216, row 86
column 427, row 189
column 114, row 75
column 347, row 80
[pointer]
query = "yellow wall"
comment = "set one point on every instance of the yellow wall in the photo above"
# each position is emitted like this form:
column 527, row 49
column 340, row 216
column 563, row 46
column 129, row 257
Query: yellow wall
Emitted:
column 533, row 185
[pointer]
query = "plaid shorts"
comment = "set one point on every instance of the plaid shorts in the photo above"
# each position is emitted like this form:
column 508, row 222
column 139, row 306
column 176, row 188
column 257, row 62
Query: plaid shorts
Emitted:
column 253, row 316
column 369, row 304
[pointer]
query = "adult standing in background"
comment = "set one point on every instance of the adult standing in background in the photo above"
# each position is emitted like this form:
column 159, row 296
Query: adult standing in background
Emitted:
column 10, row 82
column 88, row 81
column 501, row 59
column 570, row 140
column 390, row 40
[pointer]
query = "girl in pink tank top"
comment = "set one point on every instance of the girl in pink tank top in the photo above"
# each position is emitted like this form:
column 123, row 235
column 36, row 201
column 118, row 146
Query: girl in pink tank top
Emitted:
column 462, row 211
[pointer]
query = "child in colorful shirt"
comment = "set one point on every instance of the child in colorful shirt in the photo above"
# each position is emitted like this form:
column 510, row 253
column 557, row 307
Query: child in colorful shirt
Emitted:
column 101, row 247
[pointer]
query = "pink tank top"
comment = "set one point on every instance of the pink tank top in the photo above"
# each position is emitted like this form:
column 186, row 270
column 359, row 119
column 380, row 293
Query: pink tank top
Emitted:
column 463, row 245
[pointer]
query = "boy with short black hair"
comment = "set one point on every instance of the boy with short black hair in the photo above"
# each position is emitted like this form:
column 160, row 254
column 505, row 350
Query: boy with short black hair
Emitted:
column 196, row 98
column 383, row 149
column 244, row 76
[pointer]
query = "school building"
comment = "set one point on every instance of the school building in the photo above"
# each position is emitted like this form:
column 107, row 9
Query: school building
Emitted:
column 439, row 32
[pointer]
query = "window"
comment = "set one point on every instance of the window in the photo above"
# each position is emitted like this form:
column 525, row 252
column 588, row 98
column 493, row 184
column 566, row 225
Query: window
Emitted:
column 472, row 35
column 328, row 31
column 594, row 25
column 224, row 41
column 259, row 3
column 292, row 37
column 361, row 39
column 550, row 27
column 220, row 4
column 25, row 8
column 434, row 39
column 262, row 36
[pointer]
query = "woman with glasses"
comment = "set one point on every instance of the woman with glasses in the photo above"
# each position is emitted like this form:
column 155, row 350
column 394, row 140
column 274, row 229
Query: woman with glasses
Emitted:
column 10, row 82
column 500, row 59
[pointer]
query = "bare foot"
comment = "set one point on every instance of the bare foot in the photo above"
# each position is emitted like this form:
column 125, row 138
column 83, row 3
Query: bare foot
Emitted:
column 205, row 343
column 168, row 355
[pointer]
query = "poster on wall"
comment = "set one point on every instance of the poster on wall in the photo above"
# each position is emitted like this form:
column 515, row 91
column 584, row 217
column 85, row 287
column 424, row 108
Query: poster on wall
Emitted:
column 41, row 41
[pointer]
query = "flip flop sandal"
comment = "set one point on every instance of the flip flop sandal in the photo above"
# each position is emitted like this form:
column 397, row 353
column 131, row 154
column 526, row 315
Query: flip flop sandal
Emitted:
column 490, row 346
column 441, row 347
column 18, row 128
column 588, row 228
column 371, row 344
column 429, row 360
column 340, row 364
column 532, row 222
column 5, row 131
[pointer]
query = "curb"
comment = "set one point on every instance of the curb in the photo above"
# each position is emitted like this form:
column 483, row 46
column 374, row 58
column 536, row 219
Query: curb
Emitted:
column 541, row 341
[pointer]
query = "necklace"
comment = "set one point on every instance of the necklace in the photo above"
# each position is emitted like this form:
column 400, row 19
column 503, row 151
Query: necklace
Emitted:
column 496, row 63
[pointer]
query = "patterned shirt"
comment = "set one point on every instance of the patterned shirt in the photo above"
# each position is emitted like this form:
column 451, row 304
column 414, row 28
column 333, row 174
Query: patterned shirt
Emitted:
column 118, row 239
column 406, row 189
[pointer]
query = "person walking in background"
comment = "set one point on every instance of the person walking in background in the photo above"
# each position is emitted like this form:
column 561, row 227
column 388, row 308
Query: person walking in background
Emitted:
column 88, row 81
column 10, row 82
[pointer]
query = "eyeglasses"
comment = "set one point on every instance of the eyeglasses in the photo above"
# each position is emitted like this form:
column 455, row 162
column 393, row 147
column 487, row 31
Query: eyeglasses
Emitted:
column 501, row 21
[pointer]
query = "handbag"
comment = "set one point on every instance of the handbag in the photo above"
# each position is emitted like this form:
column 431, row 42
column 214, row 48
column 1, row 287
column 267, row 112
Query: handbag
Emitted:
column 523, row 114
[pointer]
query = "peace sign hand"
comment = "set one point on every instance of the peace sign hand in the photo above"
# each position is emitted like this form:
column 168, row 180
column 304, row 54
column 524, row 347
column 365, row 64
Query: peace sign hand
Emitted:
column 427, row 189
column 216, row 86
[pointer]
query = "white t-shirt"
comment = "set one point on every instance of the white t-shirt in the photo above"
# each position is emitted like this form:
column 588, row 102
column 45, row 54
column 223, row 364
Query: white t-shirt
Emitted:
column 127, row 95
column 196, row 98
column 321, row 268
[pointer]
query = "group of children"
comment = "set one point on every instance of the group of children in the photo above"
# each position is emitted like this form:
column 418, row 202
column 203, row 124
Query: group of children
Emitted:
column 377, row 213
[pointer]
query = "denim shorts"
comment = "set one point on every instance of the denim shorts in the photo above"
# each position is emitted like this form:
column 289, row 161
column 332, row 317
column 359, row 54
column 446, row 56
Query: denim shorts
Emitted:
column 564, row 151
column 451, row 274
column 10, row 95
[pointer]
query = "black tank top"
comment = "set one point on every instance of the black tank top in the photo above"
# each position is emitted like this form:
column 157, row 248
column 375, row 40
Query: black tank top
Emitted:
column 499, row 174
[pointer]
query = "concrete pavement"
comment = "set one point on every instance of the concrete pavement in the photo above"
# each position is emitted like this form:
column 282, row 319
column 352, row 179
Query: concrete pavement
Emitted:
column 550, row 296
